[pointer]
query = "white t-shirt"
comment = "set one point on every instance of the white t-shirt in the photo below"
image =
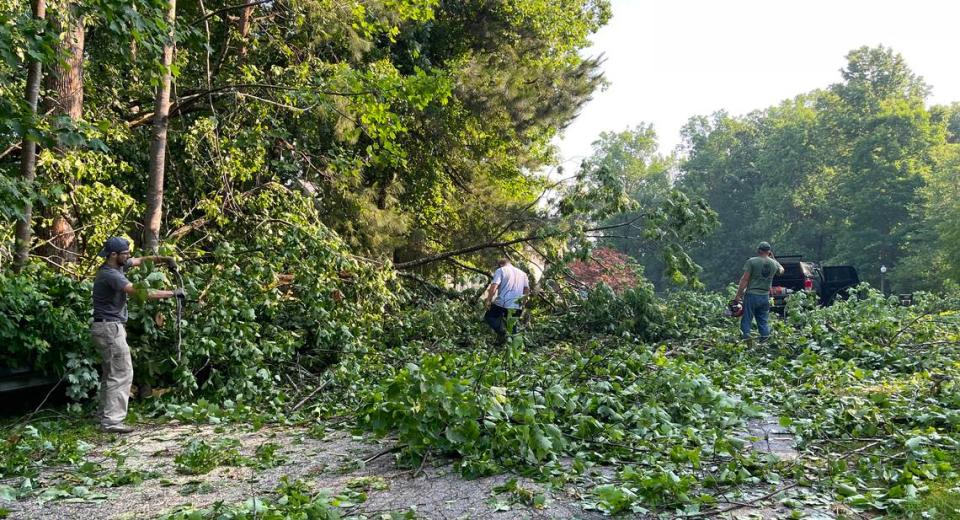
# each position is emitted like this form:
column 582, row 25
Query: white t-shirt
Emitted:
column 510, row 285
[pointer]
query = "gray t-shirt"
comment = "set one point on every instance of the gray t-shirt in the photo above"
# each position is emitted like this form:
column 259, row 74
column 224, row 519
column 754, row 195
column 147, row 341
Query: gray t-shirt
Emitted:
column 109, row 300
column 511, row 283
column 762, row 269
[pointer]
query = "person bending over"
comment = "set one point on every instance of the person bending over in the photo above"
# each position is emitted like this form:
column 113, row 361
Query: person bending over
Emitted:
column 504, row 296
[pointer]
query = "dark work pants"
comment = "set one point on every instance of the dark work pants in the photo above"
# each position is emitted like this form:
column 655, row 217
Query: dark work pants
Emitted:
column 496, row 317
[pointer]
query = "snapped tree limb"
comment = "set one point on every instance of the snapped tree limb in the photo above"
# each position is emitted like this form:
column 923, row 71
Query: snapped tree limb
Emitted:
column 495, row 245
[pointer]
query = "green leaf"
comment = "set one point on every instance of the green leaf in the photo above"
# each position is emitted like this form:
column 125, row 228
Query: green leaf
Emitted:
column 846, row 490
column 914, row 443
column 7, row 493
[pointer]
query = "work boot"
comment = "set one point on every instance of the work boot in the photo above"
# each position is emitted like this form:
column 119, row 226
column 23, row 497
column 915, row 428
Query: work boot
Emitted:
column 117, row 428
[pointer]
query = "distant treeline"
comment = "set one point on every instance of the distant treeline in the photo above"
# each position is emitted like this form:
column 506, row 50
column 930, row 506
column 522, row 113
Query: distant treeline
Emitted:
column 862, row 172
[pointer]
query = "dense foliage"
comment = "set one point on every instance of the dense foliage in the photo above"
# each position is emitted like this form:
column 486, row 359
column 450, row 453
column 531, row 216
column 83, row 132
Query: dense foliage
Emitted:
column 866, row 386
column 861, row 173
column 253, row 310
column 412, row 126
column 334, row 169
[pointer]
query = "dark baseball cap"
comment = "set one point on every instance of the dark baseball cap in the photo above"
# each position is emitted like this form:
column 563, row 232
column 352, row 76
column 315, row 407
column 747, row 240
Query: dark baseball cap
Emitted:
column 115, row 245
column 764, row 246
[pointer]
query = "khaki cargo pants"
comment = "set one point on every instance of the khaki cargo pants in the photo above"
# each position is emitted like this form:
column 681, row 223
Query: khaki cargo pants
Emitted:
column 117, row 373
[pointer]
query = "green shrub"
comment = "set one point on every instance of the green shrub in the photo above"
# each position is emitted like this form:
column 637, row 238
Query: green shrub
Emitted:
column 44, row 325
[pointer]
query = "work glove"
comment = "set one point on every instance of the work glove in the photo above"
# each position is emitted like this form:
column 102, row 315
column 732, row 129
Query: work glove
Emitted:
column 171, row 262
column 178, row 292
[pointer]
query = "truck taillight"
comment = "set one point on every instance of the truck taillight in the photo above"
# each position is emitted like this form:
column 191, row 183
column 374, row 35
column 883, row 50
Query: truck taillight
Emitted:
column 808, row 285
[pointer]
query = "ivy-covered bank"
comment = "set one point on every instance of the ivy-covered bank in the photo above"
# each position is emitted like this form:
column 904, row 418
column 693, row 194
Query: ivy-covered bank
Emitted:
column 644, row 403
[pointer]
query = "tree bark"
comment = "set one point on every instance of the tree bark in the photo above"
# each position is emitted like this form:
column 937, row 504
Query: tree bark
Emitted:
column 28, row 154
column 245, row 16
column 158, row 145
column 66, row 76
column 65, row 83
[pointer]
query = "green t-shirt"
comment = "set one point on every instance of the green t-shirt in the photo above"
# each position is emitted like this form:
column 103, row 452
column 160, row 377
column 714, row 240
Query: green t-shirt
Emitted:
column 762, row 269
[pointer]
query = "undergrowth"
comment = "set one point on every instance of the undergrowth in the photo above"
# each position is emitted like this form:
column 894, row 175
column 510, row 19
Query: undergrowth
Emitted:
column 585, row 393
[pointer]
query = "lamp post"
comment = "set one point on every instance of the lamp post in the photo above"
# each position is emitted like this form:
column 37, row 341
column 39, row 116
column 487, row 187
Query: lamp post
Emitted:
column 883, row 271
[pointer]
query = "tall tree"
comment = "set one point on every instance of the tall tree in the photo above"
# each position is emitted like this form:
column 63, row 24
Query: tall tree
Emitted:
column 246, row 14
column 721, row 167
column 64, row 102
column 934, row 246
column 797, row 177
column 158, row 143
column 630, row 158
column 887, row 137
column 65, row 79
column 28, row 153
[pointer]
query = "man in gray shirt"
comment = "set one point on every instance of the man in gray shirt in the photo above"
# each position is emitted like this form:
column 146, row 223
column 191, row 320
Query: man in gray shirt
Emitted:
column 110, row 291
column 755, row 284
column 509, row 285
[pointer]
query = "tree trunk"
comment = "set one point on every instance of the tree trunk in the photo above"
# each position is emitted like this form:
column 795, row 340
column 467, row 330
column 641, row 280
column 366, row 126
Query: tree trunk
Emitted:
column 158, row 145
column 66, row 76
column 65, row 83
column 245, row 15
column 28, row 154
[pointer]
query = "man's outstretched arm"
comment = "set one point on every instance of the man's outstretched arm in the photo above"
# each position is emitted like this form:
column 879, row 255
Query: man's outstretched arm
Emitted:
column 779, row 265
column 168, row 260
column 154, row 294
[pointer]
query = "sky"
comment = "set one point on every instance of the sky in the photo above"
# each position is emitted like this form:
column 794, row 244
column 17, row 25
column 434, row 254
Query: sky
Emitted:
column 668, row 60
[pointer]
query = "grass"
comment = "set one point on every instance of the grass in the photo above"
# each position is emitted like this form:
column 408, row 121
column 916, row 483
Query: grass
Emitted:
column 941, row 503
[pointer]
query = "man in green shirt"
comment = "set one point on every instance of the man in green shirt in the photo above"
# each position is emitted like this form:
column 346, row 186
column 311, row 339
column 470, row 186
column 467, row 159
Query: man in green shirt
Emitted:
column 755, row 284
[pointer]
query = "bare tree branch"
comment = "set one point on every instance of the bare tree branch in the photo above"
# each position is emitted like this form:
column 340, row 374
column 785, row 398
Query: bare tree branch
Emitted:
column 494, row 245
column 229, row 8
column 468, row 267
column 13, row 147
column 183, row 102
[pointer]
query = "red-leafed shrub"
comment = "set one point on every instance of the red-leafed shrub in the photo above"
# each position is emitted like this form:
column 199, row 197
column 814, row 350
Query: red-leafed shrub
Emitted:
column 609, row 266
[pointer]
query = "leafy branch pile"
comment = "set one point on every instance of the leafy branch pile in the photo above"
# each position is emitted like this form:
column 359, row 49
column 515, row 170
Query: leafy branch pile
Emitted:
column 868, row 387
column 645, row 418
column 293, row 500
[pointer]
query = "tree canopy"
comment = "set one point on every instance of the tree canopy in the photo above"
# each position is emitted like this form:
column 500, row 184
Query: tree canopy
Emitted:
column 413, row 126
column 857, row 173
column 334, row 177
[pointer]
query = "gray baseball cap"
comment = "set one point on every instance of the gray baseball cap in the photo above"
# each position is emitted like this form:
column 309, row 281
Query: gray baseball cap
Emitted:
column 764, row 246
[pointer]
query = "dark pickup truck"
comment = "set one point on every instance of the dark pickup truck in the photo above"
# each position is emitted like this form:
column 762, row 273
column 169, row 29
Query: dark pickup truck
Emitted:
column 827, row 282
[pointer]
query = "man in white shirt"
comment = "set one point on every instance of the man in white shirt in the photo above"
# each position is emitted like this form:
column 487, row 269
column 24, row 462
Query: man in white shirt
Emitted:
column 509, row 286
